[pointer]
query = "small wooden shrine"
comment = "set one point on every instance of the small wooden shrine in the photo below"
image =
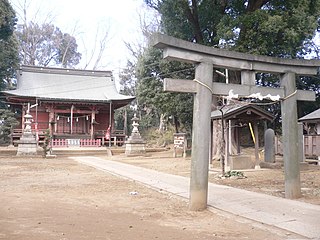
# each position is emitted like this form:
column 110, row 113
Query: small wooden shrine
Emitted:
column 236, row 117
column 312, row 122
column 74, row 105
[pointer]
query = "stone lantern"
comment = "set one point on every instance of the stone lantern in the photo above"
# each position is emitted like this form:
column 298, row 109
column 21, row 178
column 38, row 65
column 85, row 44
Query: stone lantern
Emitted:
column 135, row 145
column 27, row 144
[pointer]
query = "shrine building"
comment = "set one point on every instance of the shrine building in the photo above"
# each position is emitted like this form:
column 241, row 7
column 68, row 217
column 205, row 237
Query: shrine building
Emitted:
column 72, row 104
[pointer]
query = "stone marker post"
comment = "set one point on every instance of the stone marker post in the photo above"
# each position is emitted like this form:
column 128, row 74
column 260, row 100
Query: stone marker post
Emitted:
column 269, row 151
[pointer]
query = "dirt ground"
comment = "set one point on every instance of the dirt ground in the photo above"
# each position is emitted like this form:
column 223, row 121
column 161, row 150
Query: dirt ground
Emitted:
column 62, row 199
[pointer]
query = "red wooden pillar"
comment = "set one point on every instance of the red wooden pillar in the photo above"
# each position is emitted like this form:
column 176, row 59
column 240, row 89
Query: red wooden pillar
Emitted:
column 22, row 117
column 51, row 119
column 93, row 118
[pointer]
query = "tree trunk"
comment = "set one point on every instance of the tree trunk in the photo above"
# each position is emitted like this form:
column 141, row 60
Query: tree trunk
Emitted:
column 161, row 124
column 176, row 124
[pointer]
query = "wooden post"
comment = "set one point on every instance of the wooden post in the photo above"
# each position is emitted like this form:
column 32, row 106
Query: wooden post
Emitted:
column 301, row 142
column 56, row 125
column 256, row 144
column 93, row 117
column 238, row 140
column 225, row 146
column 22, row 118
column 71, row 119
column 125, row 124
column 110, row 124
column 290, row 137
column 200, row 136
column 51, row 118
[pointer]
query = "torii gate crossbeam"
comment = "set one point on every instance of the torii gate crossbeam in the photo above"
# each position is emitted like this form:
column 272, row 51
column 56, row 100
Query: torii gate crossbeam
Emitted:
column 206, row 58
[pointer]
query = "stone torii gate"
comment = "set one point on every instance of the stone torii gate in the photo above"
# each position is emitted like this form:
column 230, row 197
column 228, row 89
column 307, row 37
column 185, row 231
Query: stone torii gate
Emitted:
column 206, row 58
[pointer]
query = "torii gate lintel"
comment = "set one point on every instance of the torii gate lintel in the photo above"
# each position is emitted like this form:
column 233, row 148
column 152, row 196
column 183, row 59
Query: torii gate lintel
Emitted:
column 222, row 89
column 184, row 51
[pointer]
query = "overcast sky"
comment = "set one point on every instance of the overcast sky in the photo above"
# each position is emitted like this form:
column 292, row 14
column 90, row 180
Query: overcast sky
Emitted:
column 119, row 18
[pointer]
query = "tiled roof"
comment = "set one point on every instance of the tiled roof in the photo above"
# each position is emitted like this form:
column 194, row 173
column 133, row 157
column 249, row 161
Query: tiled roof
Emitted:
column 231, row 111
column 311, row 116
column 67, row 84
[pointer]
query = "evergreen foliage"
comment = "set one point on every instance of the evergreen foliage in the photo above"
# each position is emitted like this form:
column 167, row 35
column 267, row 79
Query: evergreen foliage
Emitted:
column 128, row 87
column 8, row 45
column 278, row 28
column 47, row 143
column 267, row 27
column 7, row 122
column 153, row 101
column 7, row 20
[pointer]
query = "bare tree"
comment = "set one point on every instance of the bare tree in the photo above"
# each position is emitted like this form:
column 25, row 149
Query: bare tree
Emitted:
column 149, row 23
column 37, row 27
column 96, row 53
column 40, row 41
column 45, row 45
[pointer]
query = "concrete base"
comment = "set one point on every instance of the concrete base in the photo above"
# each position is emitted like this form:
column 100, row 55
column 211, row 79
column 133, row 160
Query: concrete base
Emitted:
column 276, row 165
column 27, row 146
column 304, row 166
column 135, row 149
column 242, row 162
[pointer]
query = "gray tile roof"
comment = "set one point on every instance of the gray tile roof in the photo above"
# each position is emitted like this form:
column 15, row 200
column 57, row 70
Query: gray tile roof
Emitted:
column 67, row 84
column 233, row 110
column 313, row 116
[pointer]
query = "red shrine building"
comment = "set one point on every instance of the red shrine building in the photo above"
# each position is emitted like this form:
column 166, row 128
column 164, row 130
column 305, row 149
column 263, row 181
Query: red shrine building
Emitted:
column 73, row 104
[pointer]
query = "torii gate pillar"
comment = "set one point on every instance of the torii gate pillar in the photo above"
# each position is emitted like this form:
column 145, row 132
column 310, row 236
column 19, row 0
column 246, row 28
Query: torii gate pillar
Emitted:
column 290, row 137
column 200, row 135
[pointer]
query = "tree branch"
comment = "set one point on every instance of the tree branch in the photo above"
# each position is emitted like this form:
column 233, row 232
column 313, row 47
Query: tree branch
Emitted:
column 254, row 5
column 192, row 15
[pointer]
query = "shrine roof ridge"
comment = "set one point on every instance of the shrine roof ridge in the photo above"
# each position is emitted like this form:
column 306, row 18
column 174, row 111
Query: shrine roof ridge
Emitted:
column 65, row 71
column 230, row 111
column 164, row 41
column 313, row 116
column 66, row 85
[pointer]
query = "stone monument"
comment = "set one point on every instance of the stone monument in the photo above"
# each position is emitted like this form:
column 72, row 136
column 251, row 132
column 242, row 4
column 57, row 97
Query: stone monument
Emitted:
column 135, row 145
column 269, row 151
column 27, row 144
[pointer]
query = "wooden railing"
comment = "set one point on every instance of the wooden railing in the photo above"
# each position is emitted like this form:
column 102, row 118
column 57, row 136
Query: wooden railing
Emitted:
column 117, row 138
column 17, row 133
column 59, row 143
column 311, row 145
column 76, row 143
column 278, row 145
column 90, row 142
